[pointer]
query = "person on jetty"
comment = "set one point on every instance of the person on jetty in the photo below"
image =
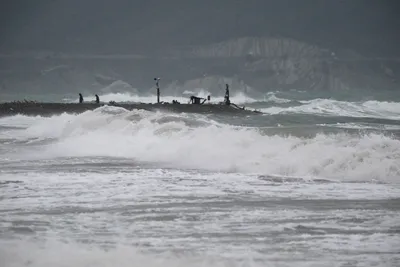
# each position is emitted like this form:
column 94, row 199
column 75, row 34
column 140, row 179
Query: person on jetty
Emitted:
column 226, row 99
column 97, row 99
column 80, row 98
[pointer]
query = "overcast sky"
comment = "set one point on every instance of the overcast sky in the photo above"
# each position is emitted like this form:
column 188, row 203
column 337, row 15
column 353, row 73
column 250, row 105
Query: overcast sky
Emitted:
column 370, row 26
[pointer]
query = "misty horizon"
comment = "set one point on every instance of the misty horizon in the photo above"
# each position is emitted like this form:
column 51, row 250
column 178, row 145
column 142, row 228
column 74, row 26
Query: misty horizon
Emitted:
column 65, row 46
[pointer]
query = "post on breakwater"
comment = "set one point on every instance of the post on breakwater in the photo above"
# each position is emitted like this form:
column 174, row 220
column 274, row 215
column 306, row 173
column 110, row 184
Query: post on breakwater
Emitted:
column 158, row 89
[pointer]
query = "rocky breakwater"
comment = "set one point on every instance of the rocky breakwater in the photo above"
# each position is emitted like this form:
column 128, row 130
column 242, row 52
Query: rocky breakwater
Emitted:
column 32, row 108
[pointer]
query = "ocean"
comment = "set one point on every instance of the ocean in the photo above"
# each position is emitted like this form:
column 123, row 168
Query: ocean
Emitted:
column 315, row 181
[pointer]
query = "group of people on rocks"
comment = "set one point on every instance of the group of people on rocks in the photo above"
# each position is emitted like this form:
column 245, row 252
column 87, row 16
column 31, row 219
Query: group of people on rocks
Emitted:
column 193, row 99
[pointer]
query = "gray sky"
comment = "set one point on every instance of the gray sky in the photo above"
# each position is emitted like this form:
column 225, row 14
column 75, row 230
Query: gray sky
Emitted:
column 370, row 26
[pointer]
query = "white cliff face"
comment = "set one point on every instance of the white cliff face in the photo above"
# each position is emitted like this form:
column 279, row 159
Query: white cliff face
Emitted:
column 287, row 63
column 275, row 62
column 247, row 64
column 257, row 47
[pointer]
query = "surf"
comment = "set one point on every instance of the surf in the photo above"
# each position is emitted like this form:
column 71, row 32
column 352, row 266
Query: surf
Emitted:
column 331, row 107
column 193, row 141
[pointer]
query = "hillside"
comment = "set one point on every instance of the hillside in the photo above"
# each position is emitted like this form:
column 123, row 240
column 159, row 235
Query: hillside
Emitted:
column 249, row 64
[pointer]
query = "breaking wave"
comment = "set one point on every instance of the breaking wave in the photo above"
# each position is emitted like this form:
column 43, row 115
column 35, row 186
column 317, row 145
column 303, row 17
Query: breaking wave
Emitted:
column 329, row 107
column 195, row 141
column 273, row 105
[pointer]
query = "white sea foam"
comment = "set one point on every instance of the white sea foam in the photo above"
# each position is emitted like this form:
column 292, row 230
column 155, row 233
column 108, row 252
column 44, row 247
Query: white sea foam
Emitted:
column 321, row 252
column 271, row 97
column 61, row 254
column 183, row 141
column 328, row 107
column 70, row 207
column 363, row 126
column 56, row 253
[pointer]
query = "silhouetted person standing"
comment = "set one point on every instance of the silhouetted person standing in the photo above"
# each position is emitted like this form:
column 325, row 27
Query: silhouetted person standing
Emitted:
column 80, row 98
column 97, row 99
column 227, row 100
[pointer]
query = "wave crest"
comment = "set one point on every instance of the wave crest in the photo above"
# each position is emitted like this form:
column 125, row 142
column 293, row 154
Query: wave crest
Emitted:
column 329, row 107
column 195, row 141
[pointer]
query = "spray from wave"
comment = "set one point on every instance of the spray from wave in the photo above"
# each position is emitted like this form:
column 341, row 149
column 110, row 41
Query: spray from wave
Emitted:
column 195, row 141
column 271, row 104
column 238, row 98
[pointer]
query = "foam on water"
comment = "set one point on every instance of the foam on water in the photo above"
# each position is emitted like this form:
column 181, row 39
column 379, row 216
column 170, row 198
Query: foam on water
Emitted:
column 93, row 189
column 319, row 106
column 183, row 141
column 362, row 126
column 271, row 97
column 60, row 254
column 330, row 107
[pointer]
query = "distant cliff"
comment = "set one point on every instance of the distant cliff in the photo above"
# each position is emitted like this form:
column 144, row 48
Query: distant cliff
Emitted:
column 283, row 63
column 248, row 64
